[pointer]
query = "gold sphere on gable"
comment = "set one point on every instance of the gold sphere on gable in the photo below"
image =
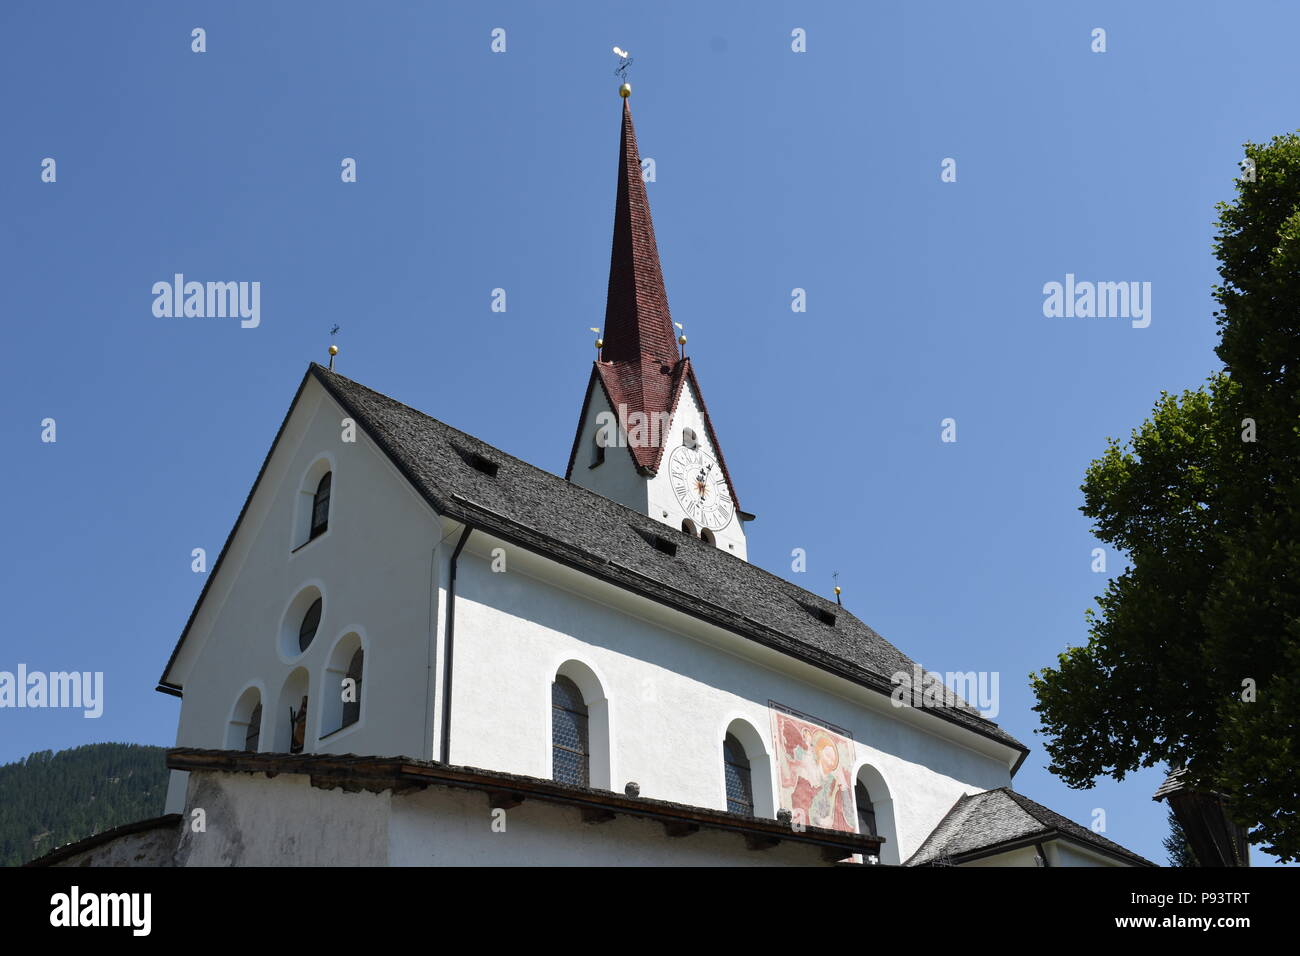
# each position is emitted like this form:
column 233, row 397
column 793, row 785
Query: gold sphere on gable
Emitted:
column 625, row 90
column 334, row 350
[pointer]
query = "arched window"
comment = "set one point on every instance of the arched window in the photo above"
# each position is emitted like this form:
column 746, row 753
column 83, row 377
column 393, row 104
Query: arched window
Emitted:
column 570, row 746
column 866, row 810
column 320, row 507
column 688, row 437
column 598, row 446
column 298, row 727
column 689, row 526
column 244, row 731
column 343, row 685
column 254, row 733
column 707, row 536
column 352, row 708
column 287, row 725
column 310, row 622
column 740, row 784
column 876, row 811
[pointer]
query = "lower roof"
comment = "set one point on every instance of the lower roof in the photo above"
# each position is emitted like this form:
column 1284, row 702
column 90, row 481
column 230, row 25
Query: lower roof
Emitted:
column 981, row 824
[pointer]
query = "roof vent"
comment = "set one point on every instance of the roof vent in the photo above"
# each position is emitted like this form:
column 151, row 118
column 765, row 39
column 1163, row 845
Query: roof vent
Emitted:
column 476, row 461
column 658, row 542
column 823, row 615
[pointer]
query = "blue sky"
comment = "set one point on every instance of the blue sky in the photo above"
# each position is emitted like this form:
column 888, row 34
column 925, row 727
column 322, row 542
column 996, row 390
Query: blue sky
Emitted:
column 775, row 170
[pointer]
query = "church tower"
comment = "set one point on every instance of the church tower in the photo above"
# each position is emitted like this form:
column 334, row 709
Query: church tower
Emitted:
column 644, row 435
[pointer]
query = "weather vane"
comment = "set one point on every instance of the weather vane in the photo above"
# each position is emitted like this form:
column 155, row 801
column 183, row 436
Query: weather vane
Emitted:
column 334, row 349
column 624, row 61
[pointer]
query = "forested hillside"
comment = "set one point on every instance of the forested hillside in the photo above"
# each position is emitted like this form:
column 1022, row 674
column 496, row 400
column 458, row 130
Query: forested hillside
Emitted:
column 50, row 798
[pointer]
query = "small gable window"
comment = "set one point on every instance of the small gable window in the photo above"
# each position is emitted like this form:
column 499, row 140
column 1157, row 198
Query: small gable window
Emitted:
column 310, row 622
column 570, row 746
column 320, row 507
column 688, row 437
column 707, row 535
column 598, row 448
column 689, row 527
column 740, row 785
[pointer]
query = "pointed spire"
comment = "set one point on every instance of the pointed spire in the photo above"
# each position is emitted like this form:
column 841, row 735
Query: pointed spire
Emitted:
column 638, row 325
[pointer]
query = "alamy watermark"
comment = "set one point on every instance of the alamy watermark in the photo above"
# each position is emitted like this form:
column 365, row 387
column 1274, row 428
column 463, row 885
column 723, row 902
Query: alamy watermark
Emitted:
column 74, row 689
column 209, row 300
column 919, row 689
column 1102, row 300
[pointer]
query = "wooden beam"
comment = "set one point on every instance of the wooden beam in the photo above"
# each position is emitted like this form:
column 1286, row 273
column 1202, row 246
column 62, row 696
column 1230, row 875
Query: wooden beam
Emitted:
column 504, row 800
column 680, row 828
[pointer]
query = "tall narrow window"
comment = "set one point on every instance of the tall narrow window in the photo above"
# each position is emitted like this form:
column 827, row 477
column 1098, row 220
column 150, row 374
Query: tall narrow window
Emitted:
column 254, row 733
column 310, row 621
column 598, row 448
column 570, row 747
column 866, row 810
column 740, row 787
column 352, row 706
column 320, row 506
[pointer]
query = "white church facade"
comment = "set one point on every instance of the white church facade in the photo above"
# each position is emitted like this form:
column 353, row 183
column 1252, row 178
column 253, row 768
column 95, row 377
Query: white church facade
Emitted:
column 416, row 649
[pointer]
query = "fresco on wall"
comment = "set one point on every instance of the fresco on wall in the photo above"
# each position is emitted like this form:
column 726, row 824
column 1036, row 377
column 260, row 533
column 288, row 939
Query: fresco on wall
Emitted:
column 813, row 767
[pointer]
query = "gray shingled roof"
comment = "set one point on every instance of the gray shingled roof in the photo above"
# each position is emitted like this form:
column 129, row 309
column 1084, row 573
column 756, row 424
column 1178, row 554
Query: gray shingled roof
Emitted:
column 545, row 513
column 982, row 821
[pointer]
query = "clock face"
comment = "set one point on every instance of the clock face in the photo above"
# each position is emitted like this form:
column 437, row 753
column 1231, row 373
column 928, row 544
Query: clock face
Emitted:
column 700, row 488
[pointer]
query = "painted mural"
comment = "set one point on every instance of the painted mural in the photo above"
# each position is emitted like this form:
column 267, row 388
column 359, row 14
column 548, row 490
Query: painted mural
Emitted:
column 813, row 772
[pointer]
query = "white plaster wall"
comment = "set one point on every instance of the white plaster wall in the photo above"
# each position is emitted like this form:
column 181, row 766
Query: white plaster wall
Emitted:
column 153, row 847
column 1068, row 854
column 617, row 477
column 662, row 499
column 1024, row 856
column 671, row 698
column 374, row 567
column 255, row 820
column 447, row 827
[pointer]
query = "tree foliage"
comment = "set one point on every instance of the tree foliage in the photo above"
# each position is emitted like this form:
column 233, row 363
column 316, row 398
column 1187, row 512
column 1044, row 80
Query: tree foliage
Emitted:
column 1180, row 854
column 1193, row 656
column 49, row 799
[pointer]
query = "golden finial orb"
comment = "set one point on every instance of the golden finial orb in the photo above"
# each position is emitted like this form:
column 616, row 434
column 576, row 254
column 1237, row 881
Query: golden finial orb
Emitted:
column 334, row 350
column 625, row 90
column 600, row 343
column 837, row 590
column 681, row 339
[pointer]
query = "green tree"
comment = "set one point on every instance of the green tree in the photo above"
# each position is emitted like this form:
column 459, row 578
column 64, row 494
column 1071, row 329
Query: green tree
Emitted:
column 1180, row 854
column 1193, row 656
column 50, row 799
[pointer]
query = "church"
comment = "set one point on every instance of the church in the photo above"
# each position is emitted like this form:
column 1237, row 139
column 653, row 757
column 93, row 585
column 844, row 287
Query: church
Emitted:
column 416, row 649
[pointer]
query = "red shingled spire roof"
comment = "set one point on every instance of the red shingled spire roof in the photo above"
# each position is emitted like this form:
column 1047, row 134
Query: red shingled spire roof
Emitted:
column 639, row 368
column 640, row 353
column 638, row 325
